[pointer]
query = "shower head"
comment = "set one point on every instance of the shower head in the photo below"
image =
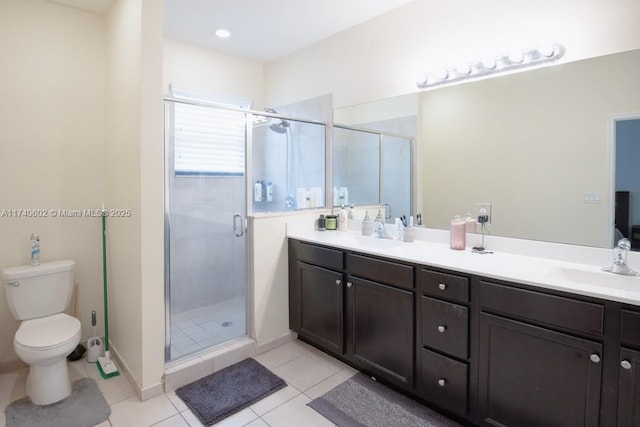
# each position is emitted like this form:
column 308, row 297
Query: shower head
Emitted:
column 278, row 127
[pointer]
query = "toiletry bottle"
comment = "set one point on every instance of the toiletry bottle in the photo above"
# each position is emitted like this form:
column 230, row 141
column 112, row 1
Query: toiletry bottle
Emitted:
column 399, row 228
column 35, row 249
column 351, row 212
column 343, row 220
column 470, row 223
column 367, row 224
column 257, row 192
column 322, row 223
column 457, row 233
column 263, row 189
column 270, row 192
column 379, row 217
column 332, row 222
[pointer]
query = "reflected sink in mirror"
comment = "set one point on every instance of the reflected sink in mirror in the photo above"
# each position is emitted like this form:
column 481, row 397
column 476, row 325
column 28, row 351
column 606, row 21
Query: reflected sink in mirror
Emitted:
column 594, row 276
column 370, row 242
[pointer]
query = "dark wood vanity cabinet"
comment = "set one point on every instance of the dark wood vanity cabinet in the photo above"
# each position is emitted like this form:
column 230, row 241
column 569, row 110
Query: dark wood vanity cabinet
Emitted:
column 380, row 329
column 491, row 352
column 379, row 313
column 533, row 371
column 629, row 389
column 367, row 318
column 629, row 370
column 442, row 318
column 316, row 295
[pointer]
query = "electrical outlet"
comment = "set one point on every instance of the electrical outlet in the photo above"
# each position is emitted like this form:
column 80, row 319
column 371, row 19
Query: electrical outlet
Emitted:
column 487, row 210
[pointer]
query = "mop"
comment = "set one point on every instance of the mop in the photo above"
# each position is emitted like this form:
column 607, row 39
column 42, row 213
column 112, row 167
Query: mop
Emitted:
column 106, row 366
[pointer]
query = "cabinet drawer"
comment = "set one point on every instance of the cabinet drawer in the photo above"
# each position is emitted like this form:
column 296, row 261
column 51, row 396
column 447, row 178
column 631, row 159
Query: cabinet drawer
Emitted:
column 390, row 273
column 445, row 326
column 630, row 332
column 443, row 381
column 442, row 285
column 566, row 313
column 318, row 255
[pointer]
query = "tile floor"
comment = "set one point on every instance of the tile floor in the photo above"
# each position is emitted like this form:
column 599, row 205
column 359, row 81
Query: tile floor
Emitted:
column 308, row 372
column 207, row 326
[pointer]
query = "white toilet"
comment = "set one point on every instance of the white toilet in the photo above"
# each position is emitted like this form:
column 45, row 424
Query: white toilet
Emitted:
column 38, row 296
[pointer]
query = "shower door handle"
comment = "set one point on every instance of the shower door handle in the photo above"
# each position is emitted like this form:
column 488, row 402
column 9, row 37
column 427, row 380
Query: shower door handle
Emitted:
column 239, row 230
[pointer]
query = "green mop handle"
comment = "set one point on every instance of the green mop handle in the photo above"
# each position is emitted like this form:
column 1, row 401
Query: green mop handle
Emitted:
column 104, row 280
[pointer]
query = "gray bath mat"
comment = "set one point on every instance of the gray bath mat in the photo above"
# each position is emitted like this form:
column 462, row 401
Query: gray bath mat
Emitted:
column 361, row 401
column 85, row 407
column 230, row 390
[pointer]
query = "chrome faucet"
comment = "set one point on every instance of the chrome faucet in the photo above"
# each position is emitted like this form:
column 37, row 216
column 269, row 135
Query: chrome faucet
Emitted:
column 619, row 265
column 379, row 230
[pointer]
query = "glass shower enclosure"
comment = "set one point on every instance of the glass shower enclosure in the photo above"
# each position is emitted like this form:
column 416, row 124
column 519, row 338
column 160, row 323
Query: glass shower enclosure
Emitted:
column 205, row 237
column 222, row 163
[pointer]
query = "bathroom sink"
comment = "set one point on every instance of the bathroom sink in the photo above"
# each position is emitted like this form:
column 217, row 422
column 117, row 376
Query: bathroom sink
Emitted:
column 594, row 276
column 368, row 241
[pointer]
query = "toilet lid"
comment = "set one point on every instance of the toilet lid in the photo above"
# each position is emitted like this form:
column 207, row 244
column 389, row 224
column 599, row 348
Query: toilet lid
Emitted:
column 47, row 331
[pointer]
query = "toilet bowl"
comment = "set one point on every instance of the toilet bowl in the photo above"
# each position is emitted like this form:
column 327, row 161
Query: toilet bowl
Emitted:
column 44, row 344
column 38, row 296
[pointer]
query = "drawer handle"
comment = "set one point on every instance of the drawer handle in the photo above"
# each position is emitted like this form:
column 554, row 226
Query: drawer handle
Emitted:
column 349, row 284
column 595, row 358
column 442, row 286
column 625, row 364
column 338, row 281
column 442, row 382
column 15, row 284
column 442, row 328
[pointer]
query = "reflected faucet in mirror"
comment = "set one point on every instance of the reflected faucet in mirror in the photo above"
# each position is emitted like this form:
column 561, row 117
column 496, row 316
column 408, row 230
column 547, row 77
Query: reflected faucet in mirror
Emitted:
column 619, row 265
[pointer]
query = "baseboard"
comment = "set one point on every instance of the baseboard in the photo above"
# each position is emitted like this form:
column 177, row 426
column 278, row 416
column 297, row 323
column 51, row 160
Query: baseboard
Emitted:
column 143, row 394
column 270, row 345
column 12, row 365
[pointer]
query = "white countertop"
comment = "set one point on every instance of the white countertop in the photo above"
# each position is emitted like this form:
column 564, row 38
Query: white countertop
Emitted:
column 560, row 267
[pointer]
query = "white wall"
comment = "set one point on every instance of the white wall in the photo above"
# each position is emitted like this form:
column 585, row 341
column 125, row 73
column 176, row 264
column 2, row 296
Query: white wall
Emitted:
column 385, row 56
column 220, row 74
column 52, row 136
column 135, row 148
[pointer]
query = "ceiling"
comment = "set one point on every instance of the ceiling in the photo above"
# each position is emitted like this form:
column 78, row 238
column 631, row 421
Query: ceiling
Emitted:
column 262, row 30
column 265, row 30
column 96, row 6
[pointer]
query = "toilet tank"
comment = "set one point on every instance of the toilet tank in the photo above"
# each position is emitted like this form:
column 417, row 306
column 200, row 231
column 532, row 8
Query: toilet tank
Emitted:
column 38, row 290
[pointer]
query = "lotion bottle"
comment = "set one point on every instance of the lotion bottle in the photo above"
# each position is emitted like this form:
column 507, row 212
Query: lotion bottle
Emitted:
column 343, row 220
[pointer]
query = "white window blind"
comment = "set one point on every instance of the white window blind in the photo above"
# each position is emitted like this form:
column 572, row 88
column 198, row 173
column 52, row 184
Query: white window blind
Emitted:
column 208, row 141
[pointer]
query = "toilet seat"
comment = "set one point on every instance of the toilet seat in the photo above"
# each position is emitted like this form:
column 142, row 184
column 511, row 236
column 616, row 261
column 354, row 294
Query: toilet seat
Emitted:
column 47, row 332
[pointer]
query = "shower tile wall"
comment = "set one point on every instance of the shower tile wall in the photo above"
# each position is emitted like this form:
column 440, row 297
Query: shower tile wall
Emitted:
column 200, row 234
column 307, row 160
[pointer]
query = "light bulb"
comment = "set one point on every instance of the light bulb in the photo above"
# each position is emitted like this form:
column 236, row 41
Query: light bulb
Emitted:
column 223, row 33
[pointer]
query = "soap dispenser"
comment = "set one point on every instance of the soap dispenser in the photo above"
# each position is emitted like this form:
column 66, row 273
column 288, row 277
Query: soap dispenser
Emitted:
column 367, row 224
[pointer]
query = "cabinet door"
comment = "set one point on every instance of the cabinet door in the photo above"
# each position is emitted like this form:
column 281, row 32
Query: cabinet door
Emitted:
column 629, row 391
column 380, row 334
column 321, row 307
column 531, row 376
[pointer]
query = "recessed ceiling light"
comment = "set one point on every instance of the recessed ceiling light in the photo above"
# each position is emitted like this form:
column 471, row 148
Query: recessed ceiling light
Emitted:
column 223, row 33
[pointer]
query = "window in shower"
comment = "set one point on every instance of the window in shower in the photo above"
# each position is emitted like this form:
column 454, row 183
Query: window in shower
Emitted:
column 288, row 158
column 206, row 262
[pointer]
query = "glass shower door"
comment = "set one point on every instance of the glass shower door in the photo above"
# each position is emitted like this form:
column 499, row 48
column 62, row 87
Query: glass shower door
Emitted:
column 205, row 242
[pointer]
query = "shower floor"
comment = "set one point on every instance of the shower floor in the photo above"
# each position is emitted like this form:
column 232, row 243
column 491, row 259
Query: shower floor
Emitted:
column 207, row 326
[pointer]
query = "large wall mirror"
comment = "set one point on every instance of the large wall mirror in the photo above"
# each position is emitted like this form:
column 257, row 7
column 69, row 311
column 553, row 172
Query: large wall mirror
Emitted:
column 540, row 146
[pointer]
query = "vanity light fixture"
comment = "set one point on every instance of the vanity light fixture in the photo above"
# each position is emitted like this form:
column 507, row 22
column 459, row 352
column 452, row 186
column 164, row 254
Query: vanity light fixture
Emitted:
column 488, row 66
